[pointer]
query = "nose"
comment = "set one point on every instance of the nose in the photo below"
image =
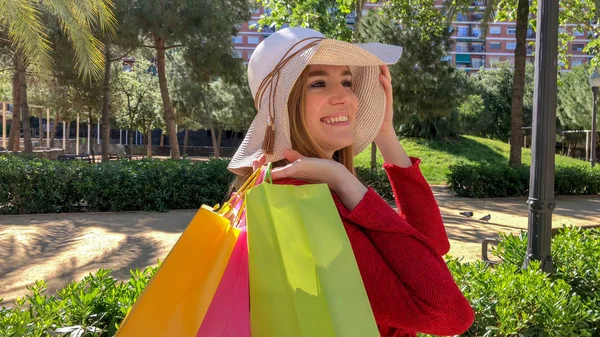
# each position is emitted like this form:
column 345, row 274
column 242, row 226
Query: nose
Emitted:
column 339, row 95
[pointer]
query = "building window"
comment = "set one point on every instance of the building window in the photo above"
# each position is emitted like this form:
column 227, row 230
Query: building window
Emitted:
column 577, row 46
column 496, row 45
column 511, row 45
column 578, row 32
column 463, row 31
column 253, row 25
column 253, row 40
column 237, row 40
column 494, row 61
column 462, row 47
column 461, row 17
column 256, row 10
column 476, row 32
column 511, row 30
column 562, row 30
column 249, row 55
column 477, row 48
column 495, row 30
column 238, row 54
column 446, row 58
column 476, row 63
column 576, row 62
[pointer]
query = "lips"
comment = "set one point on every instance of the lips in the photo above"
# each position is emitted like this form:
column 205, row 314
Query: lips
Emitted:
column 336, row 119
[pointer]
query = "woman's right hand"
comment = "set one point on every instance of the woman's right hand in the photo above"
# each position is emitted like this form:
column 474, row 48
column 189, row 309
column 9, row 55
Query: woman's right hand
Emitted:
column 259, row 162
column 316, row 170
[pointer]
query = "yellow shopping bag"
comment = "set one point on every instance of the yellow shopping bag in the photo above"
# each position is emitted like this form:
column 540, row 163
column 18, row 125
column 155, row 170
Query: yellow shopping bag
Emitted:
column 177, row 298
column 304, row 280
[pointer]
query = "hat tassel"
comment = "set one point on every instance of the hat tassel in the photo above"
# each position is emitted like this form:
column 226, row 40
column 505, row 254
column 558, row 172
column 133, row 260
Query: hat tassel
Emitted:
column 269, row 141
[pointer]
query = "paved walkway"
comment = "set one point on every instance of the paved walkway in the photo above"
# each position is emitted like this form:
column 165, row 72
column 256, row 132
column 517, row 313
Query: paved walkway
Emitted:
column 62, row 247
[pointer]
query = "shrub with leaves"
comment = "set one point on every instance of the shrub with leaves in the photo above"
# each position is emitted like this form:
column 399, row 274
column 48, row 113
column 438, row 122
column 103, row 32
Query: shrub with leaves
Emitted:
column 92, row 307
column 33, row 185
column 500, row 181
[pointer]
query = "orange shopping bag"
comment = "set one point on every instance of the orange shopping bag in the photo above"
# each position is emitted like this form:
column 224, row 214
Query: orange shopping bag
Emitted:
column 175, row 301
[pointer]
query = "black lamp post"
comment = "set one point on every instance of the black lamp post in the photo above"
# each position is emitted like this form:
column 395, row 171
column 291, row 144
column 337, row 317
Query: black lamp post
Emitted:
column 541, row 184
column 594, row 83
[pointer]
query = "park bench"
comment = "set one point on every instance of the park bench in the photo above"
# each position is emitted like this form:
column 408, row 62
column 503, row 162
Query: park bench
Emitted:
column 82, row 157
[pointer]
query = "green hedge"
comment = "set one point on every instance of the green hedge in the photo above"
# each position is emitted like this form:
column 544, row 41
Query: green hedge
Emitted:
column 46, row 186
column 499, row 181
column 511, row 301
column 508, row 301
column 32, row 185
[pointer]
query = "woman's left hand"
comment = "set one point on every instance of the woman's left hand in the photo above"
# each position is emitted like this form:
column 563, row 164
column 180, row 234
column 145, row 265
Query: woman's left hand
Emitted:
column 387, row 128
column 316, row 170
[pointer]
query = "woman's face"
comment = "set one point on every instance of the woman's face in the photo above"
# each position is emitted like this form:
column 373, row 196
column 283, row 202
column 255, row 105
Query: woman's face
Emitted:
column 331, row 107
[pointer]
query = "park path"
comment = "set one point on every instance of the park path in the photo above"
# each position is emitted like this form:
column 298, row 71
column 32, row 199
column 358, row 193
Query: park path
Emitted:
column 63, row 247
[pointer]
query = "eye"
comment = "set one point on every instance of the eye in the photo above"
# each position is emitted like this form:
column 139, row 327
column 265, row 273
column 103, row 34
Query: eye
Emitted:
column 318, row 84
column 347, row 83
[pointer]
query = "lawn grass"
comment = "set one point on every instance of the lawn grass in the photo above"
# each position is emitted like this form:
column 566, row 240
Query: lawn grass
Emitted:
column 437, row 156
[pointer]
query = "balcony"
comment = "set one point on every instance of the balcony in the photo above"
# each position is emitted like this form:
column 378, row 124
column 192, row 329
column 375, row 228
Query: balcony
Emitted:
column 477, row 17
column 530, row 34
column 530, row 50
column 477, row 49
column 461, row 17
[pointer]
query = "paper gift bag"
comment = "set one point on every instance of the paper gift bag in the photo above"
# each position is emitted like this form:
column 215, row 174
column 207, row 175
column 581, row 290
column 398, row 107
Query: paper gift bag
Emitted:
column 304, row 280
column 177, row 298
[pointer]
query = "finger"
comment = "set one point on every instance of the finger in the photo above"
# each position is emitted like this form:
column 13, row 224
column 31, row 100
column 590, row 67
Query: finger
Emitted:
column 385, row 70
column 292, row 155
column 256, row 164
column 284, row 172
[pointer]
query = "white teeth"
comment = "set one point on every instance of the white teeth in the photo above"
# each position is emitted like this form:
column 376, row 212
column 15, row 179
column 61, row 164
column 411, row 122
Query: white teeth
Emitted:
column 337, row 119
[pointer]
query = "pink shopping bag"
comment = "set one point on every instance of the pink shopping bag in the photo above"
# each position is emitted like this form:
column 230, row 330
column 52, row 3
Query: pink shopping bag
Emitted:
column 229, row 311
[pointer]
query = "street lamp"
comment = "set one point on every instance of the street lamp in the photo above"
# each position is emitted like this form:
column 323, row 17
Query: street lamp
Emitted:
column 541, row 185
column 594, row 83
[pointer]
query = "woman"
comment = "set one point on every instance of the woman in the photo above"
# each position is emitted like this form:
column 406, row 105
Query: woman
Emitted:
column 320, row 102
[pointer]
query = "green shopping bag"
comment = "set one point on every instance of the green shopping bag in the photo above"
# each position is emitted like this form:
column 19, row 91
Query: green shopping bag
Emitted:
column 304, row 280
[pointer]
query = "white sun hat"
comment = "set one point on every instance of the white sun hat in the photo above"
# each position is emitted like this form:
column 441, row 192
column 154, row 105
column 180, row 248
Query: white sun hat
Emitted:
column 274, row 67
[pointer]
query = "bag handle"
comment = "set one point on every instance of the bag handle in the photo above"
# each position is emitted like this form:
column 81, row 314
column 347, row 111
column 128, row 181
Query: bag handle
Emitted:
column 227, row 208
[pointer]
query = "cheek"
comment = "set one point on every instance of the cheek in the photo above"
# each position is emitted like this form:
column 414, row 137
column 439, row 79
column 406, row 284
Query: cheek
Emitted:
column 354, row 105
column 313, row 105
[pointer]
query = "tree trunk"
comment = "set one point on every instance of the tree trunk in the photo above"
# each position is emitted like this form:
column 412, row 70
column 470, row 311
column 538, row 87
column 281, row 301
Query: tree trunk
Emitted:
column 28, row 147
column 186, row 139
column 216, row 134
column 14, row 137
column 373, row 156
column 164, row 92
column 131, row 142
column 53, row 131
column 516, row 124
column 106, row 103
column 149, row 144
column 358, row 8
column 162, row 138
column 41, row 132
column 235, row 138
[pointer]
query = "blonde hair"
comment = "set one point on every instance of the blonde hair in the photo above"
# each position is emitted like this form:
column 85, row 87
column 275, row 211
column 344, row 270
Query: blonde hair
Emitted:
column 302, row 141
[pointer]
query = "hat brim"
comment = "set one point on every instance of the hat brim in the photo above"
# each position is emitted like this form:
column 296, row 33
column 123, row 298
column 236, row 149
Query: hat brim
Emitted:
column 364, row 61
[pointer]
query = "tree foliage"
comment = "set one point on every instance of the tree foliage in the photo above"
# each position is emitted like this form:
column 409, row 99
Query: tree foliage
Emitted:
column 575, row 99
column 78, row 20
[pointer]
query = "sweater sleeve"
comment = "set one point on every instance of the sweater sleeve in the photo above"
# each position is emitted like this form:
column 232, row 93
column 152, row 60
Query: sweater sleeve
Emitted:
column 416, row 203
column 422, row 295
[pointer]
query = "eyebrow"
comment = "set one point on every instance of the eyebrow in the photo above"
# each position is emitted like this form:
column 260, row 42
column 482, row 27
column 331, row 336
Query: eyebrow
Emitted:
column 324, row 73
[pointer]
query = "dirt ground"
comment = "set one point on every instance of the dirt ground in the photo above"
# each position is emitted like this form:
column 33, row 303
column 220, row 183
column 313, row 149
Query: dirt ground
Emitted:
column 63, row 247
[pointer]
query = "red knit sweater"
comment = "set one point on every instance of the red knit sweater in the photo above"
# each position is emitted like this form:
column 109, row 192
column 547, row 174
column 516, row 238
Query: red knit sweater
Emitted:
column 399, row 255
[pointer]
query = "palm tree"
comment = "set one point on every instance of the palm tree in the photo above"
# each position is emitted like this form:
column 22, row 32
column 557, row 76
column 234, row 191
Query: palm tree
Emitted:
column 26, row 33
column 78, row 19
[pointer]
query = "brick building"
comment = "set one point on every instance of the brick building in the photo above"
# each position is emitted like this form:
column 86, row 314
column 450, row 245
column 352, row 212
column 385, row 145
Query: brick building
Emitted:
column 470, row 51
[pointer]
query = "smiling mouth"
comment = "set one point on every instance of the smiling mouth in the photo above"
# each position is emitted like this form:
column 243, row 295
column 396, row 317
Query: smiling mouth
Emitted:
column 335, row 120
